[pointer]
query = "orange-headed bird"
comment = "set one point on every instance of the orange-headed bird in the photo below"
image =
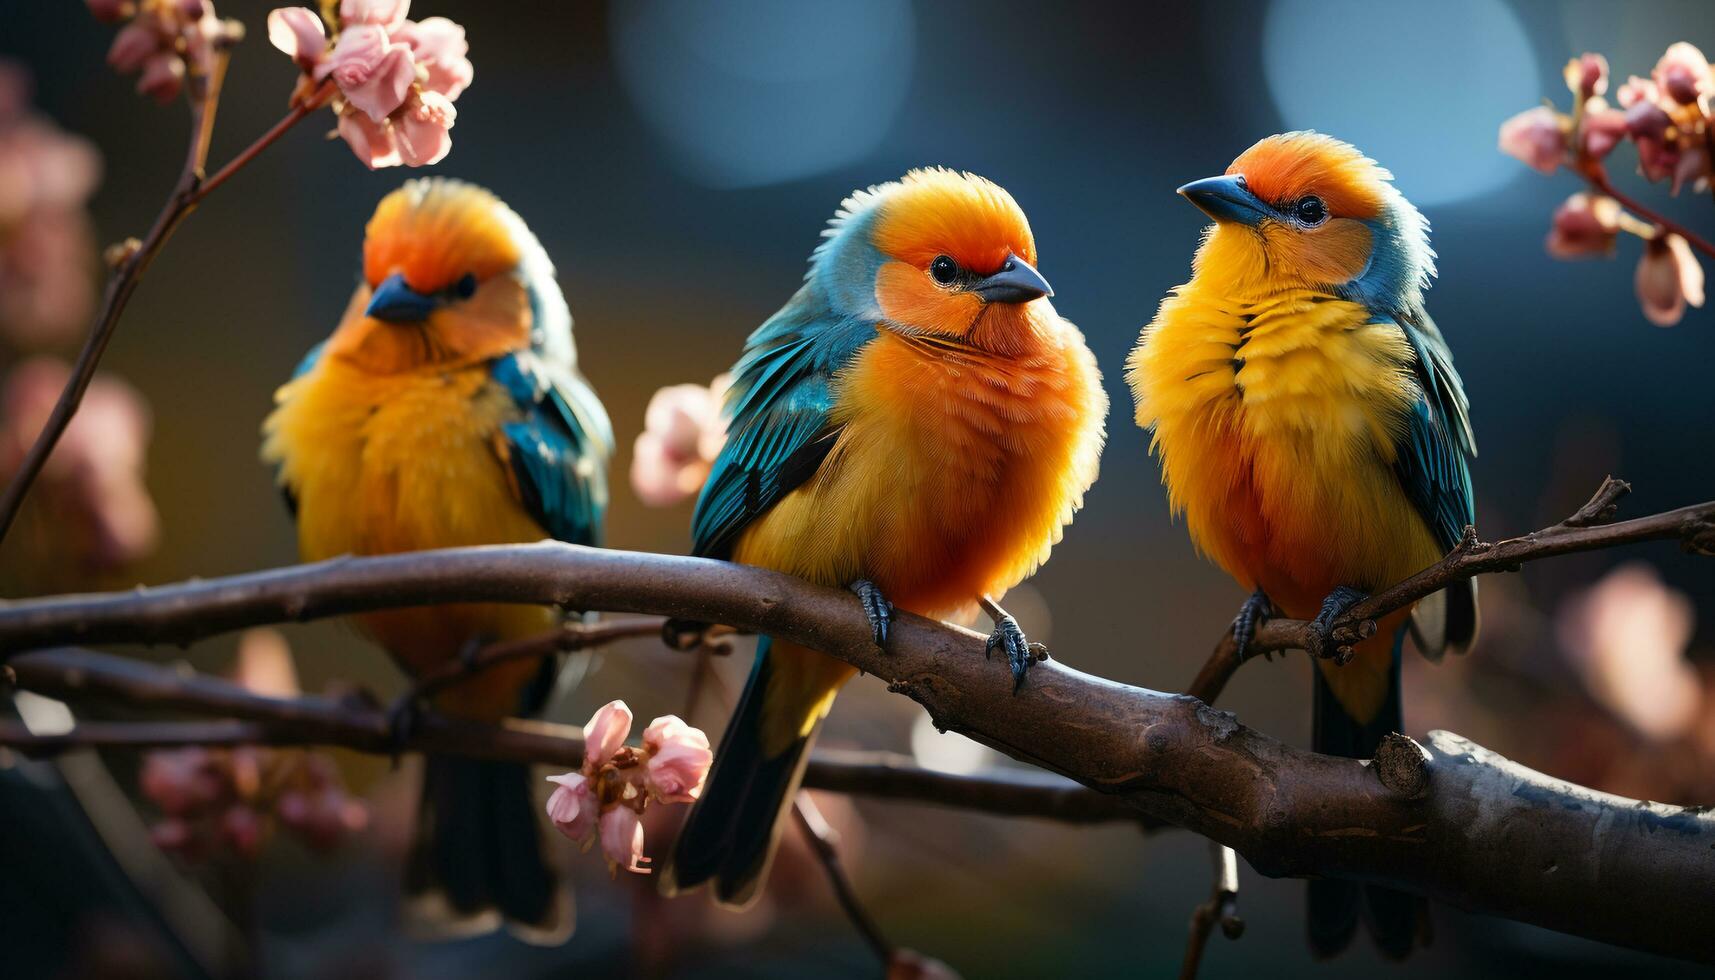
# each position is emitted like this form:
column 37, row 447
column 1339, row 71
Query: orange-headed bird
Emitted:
column 447, row 409
column 917, row 424
column 1313, row 432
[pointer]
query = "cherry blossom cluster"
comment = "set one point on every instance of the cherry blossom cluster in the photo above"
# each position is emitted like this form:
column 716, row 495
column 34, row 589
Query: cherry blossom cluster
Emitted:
column 395, row 79
column 214, row 799
column 605, row 799
column 1667, row 117
column 165, row 41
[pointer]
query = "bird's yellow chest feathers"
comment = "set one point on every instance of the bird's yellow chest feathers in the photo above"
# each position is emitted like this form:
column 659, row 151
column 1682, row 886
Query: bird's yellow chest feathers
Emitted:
column 1276, row 422
column 402, row 462
column 954, row 474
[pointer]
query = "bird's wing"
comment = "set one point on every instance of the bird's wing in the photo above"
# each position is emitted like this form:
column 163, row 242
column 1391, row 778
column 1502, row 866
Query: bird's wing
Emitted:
column 305, row 366
column 781, row 428
column 1433, row 461
column 558, row 448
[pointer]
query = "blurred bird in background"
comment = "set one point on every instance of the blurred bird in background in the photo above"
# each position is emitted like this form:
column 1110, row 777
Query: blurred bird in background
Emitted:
column 1313, row 432
column 917, row 424
column 447, row 409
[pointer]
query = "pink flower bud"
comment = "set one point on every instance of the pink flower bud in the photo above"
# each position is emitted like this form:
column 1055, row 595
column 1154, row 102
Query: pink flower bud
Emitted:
column 162, row 78
column 605, row 733
column 1584, row 227
column 387, row 14
column 683, row 433
column 1683, row 73
column 298, row 32
column 1587, row 75
column 423, row 129
column 372, row 141
column 133, row 45
column 1668, row 278
column 622, row 839
column 241, row 830
column 181, row 782
column 1692, row 168
column 678, row 760
column 572, row 806
column 1535, row 137
column 440, row 48
column 1601, row 131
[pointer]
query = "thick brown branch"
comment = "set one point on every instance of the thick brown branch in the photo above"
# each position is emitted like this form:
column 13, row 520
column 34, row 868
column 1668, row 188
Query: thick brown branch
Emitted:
column 77, row 675
column 1485, row 833
column 1589, row 529
column 567, row 639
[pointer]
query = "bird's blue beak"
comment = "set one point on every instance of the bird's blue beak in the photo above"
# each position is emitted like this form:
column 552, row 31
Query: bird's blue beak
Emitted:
column 1226, row 198
column 396, row 302
column 1016, row 282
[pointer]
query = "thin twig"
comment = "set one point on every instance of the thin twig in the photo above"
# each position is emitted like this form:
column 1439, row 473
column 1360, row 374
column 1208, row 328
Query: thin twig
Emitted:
column 1597, row 175
column 254, row 719
column 824, row 840
column 128, row 272
column 1589, row 529
column 1221, row 907
column 568, row 638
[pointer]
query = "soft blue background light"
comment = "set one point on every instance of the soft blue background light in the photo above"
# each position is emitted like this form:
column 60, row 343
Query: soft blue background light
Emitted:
column 1420, row 87
column 753, row 92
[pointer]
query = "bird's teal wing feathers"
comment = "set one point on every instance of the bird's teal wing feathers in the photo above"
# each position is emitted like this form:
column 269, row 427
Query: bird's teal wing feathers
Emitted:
column 558, row 448
column 780, row 404
column 1433, row 460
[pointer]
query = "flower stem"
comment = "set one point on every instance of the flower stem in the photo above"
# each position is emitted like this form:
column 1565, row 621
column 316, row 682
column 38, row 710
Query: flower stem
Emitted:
column 192, row 187
column 1597, row 175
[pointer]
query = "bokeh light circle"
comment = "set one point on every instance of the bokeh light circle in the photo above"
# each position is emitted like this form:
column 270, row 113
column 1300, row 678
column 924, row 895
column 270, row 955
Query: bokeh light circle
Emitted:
column 1420, row 87
column 754, row 92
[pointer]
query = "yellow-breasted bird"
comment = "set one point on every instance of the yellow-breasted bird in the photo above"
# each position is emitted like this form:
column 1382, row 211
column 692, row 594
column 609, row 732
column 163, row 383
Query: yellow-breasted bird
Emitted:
column 447, row 409
column 918, row 424
column 1314, row 434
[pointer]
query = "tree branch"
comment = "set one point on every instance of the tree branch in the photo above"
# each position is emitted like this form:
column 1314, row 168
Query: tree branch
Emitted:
column 1449, row 820
column 1588, row 529
column 313, row 720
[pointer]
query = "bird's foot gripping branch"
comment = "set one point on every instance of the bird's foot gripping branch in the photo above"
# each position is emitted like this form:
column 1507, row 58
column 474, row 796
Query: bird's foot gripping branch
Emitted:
column 1446, row 818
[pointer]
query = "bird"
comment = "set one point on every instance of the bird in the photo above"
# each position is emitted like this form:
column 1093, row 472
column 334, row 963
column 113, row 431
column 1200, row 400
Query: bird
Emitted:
column 916, row 424
column 447, row 409
column 1315, row 437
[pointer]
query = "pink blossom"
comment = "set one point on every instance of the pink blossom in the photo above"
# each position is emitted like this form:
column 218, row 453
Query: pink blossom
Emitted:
column 387, row 14
column 1693, row 168
column 622, row 839
column 111, row 11
column 572, row 807
column 1636, row 90
column 1587, row 75
column 1683, row 73
column 440, row 48
column 1536, row 137
column 683, row 432
column 299, row 33
column 163, row 77
column 92, row 483
column 605, row 733
column 181, row 782
column 167, row 41
column 422, row 129
column 1584, row 227
column 679, row 759
column 1648, row 124
column 1627, row 636
column 1601, row 130
column 1668, row 278
column 241, row 830
column 372, row 141
column 372, row 73
column 133, row 45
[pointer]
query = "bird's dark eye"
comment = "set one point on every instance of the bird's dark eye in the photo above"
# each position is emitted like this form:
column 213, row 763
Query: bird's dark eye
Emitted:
column 1310, row 210
column 465, row 288
column 944, row 269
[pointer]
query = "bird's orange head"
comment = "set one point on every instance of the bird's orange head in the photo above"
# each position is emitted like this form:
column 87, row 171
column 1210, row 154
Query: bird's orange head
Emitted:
column 1303, row 209
column 450, row 275
column 937, row 253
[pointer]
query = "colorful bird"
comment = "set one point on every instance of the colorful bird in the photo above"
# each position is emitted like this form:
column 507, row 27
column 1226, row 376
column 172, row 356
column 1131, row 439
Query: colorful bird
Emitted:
column 917, row 424
column 1314, row 434
column 447, row 409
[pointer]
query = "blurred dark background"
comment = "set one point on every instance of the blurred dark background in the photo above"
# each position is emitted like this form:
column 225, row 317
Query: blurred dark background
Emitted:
column 677, row 160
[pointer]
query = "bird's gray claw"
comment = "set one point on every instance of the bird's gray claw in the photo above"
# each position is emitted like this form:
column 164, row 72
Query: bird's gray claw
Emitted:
column 1338, row 603
column 1255, row 612
column 1020, row 652
column 876, row 608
